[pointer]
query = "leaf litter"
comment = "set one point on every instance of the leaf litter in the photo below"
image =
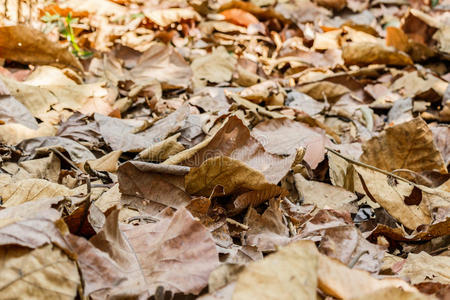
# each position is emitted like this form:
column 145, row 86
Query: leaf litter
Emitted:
column 264, row 149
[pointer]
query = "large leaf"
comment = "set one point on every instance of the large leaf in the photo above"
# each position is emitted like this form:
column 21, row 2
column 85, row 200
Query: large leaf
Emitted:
column 407, row 145
column 31, row 46
column 134, row 261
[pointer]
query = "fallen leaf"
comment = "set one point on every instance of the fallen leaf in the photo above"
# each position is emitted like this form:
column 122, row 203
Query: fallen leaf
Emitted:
column 290, row 273
column 216, row 171
column 408, row 145
column 31, row 46
column 323, row 195
column 239, row 17
column 165, row 17
column 181, row 237
column 284, row 137
column 15, row 193
column 266, row 231
column 363, row 54
column 215, row 67
column 45, row 272
column 164, row 64
column 423, row 267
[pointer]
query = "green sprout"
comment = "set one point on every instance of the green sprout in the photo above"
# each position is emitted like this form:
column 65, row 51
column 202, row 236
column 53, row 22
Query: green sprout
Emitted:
column 65, row 28
column 434, row 3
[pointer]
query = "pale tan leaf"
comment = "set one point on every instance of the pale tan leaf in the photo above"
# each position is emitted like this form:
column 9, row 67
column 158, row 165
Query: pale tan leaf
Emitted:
column 407, row 145
column 165, row 17
column 41, row 273
column 422, row 267
column 362, row 54
column 290, row 273
column 393, row 195
column 230, row 173
column 339, row 281
column 144, row 257
column 31, row 46
column 107, row 163
column 324, row 195
column 15, row 193
column 215, row 67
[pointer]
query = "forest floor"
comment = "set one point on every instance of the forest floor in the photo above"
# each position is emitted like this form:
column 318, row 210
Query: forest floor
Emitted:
column 216, row 149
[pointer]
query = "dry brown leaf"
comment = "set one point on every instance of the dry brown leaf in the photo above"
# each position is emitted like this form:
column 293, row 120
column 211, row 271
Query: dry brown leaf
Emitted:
column 339, row 238
column 162, row 150
column 239, row 17
column 99, row 7
column 140, row 180
column 324, row 90
column 408, row 145
column 107, row 163
column 397, row 38
column 137, row 257
column 412, row 84
column 164, row 64
column 18, row 192
column 337, row 280
column 14, row 133
column 216, row 67
column 41, row 273
column 12, row 111
column 323, row 195
column 31, row 46
column 402, row 200
column 284, row 137
column 165, row 17
column 290, row 273
column 363, row 54
column 267, row 231
column 121, row 134
column 423, row 267
column 233, row 175
column 234, row 140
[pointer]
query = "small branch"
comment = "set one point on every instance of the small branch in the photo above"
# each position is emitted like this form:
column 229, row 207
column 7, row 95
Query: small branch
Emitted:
column 236, row 223
column 361, row 164
column 149, row 219
column 353, row 262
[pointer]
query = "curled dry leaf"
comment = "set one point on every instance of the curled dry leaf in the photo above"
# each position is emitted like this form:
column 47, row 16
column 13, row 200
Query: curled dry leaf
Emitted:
column 290, row 273
column 165, row 17
column 162, row 184
column 233, row 175
column 45, row 272
column 239, row 17
column 408, row 145
column 423, row 267
column 137, row 257
column 164, row 64
column 284, row 137
column 234, row 140
column 30, row 46
column 363, row 54
column 216, row 67
column 266, row 231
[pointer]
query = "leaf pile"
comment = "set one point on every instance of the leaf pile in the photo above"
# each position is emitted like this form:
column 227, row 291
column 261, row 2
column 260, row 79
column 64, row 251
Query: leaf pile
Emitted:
column 224, row 149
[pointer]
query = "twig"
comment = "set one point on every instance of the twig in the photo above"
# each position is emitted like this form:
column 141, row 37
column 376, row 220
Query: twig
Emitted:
column 369, row 166
column 143, row 218
column 355, row 259
column 231, row 221
column 66, row 159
